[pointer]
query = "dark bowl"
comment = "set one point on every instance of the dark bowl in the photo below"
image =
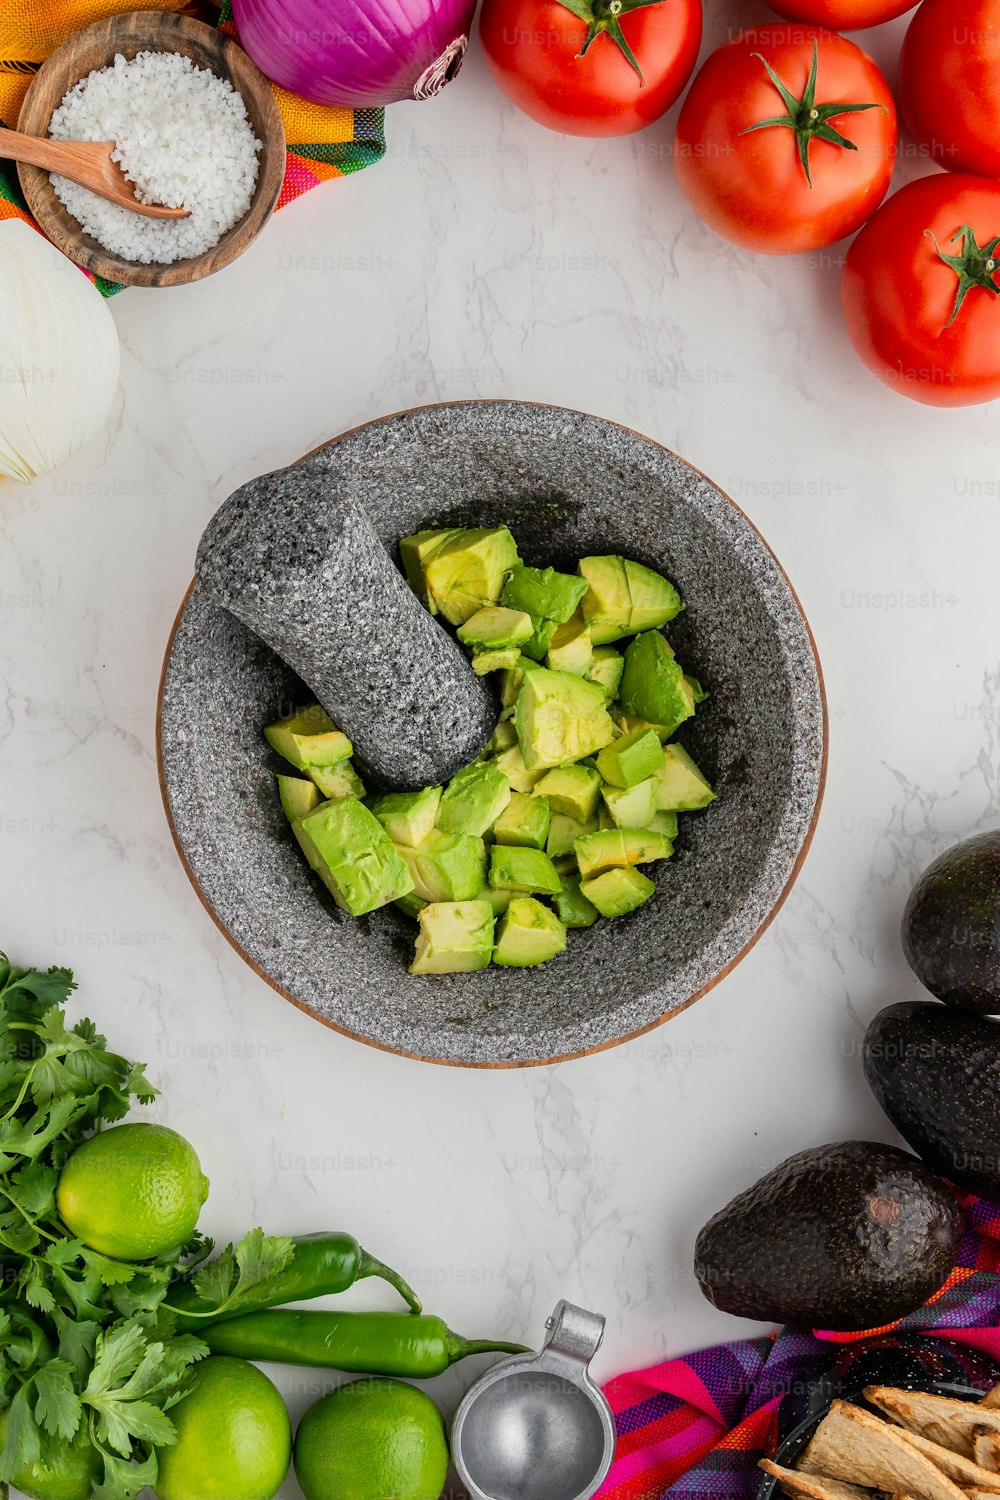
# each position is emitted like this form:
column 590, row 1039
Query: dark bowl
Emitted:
column 568, row 485
column 910, row 1362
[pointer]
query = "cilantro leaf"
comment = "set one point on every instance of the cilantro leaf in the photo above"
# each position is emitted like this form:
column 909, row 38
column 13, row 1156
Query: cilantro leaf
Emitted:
column 24, row 1444
column 58, row 1409
column 124, row 1480
column 225, row 1281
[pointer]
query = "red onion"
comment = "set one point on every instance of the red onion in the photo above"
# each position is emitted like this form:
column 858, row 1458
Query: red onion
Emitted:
column 359, row 53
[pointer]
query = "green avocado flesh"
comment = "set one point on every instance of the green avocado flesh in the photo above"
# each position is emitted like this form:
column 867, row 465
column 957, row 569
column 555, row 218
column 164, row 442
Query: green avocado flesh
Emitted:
column 528, row 934
column 353, row 855
column 455, row 937
column 579, row 785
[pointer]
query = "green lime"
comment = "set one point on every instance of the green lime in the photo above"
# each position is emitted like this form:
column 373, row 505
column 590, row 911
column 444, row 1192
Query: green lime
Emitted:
column 132, row 1192
column 234, row 1439
column 372, row 1440
column 71, row 1476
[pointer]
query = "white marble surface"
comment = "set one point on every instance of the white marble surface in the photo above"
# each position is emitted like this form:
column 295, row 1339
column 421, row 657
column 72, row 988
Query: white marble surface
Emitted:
column 486, row 257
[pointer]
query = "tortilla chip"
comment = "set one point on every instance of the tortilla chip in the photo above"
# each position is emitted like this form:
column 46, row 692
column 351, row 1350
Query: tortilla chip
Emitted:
column 992, row 1398
column 942, row 1419
column 986, row 1450
column 962, row 1470
column 812, row 1487
column 978, row 1494
column 853, row 1445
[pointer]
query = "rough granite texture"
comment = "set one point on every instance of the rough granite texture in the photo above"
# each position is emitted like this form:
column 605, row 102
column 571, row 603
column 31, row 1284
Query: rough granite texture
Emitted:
column 294, row 556
column 567, row 485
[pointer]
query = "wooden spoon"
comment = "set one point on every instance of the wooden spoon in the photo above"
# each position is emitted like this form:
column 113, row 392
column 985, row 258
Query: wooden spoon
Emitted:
column 87, row 163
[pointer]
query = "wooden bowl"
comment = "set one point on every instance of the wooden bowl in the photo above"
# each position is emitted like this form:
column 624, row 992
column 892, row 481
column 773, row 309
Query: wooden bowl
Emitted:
column 129, row 34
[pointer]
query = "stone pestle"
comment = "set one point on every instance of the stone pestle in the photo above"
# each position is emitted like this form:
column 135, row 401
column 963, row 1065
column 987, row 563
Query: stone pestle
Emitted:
column 302, row 567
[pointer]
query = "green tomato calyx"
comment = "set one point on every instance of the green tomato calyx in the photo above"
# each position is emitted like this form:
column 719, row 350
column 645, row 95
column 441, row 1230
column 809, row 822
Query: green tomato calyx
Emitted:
column 809, row 121
column 975, row 266
column 603, row 18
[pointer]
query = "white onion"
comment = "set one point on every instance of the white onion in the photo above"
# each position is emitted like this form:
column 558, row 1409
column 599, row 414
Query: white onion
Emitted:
column 59, row 355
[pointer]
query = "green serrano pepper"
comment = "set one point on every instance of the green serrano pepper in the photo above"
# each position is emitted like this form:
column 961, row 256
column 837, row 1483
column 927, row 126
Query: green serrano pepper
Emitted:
column 364, row 1343
column 322, row 1265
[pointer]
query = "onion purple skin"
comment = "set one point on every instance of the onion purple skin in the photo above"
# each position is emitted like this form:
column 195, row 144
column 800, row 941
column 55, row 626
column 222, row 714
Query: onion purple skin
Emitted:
column 357, row 53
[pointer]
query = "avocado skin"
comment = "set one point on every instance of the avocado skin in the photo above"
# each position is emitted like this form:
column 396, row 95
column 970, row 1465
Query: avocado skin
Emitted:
column 951, row 926
column 936, row 1073
column 841, row 1237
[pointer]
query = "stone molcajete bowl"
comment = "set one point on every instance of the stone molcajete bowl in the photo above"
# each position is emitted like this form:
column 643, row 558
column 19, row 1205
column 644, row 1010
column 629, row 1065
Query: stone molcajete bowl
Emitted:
column 567, row 485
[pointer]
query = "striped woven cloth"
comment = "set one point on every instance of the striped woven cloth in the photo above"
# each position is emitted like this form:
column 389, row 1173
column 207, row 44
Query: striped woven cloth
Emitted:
column 323, row 142
column 694, row 1428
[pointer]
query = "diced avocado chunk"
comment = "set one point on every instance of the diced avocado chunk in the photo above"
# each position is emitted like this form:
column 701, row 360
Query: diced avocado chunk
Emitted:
column 632, row 758
column 698, row 693
column 604, row 818
column 607, row 607
column 571, row 649
column 494, row 661
column 411, row 906
column 573, row 790
column 525, row 821
column 447, row 866
column 455, row 937
column 408, row 817
column 529, row 934
column 632, row 806
column 473, row 799
column 308, row 738
column 353, row 856
column 511, row 763
column 607, row 668
column 510, row 685
column 469, row 570
column 653, row 683
column 514, row 868
column 341, row 780
column 681, row 787
column 537, row 645
column 572, row 906
column 617, row 891
column 654, row 599
column 665, row 823
column 504, row 735
column 560, row 718
column 563, row 834
column 624, row 598
column 631, row 724
column 617, row 847
column 415, row 552
column 298, row 797
column 496, row 629
column 544, row 593
column 498, row 900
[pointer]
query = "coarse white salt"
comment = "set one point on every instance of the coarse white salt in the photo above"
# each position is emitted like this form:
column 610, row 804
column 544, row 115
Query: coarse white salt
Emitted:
column 181, row 135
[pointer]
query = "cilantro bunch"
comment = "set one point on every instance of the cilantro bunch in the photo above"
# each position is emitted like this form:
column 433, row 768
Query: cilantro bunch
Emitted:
column 88, row 1348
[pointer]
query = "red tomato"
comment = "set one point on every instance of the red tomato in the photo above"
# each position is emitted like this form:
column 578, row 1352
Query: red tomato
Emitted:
column 948, row 83
column 842, row 15
column 752, row 187
column 900, row 297
column 535, row 51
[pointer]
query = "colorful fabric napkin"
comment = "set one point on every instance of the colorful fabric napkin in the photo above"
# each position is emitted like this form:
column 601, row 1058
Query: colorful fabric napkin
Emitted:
column 694, row 1428
column 323, row 142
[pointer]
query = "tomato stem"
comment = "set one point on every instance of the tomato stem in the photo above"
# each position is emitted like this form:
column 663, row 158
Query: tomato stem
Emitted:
column 603, row 19
column 809, row 121
column 975, row 266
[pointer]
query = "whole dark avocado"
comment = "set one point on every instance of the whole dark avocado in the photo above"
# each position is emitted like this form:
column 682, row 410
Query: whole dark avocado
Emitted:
column 951, row 926
column 841, row 1237
column 936, row 1073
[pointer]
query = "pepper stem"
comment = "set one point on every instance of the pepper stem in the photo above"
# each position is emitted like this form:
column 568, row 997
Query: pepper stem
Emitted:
column 369, row 1266
column 809, row 121
column 459, row 1348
